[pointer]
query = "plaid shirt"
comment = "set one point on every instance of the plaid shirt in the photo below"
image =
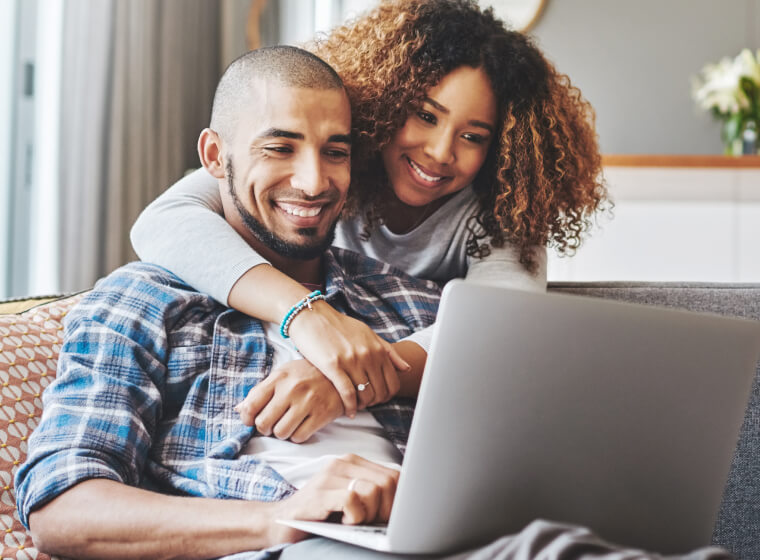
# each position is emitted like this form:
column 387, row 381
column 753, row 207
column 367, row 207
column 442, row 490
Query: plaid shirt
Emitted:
column 150, row 370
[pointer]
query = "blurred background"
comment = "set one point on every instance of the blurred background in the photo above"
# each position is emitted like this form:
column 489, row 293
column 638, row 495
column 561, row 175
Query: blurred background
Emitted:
column 101, row 103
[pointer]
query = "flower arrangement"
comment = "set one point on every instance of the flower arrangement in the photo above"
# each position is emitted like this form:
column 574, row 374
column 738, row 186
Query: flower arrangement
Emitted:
column 730, row 90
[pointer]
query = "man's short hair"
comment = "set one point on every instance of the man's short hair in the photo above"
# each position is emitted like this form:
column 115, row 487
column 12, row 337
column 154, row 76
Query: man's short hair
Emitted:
column 284, row 65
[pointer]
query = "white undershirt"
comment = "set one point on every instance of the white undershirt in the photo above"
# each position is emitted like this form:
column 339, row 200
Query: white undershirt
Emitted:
column 298, row 462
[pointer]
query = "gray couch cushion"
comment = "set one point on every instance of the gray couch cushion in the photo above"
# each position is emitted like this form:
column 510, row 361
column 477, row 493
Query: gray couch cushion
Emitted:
column 738, row 524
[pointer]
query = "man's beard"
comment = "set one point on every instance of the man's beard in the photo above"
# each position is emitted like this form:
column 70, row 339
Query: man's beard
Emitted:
column 270, row 240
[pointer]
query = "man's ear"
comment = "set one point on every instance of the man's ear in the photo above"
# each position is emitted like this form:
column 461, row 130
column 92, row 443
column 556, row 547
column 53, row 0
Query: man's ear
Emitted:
column 210, row 152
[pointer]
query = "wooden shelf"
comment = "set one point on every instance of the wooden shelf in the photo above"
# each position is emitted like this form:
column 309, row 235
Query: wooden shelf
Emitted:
column 665, row 160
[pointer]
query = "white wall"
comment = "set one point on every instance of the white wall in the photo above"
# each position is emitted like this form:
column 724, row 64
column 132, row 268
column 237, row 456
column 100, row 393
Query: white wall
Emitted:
column 673, row 224
column 634, row 61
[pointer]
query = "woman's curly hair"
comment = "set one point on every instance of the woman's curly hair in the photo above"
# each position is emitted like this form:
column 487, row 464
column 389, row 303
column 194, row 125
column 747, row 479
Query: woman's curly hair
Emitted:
column 541, row 181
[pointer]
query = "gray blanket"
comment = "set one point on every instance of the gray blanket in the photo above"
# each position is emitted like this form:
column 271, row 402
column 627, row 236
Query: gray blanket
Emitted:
column 541, row 540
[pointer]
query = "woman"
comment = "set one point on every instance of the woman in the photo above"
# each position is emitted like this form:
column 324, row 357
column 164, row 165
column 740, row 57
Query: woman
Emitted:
column 471, row 155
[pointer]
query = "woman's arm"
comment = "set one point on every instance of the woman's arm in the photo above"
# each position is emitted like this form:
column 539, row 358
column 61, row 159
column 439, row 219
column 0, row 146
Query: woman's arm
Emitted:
column 502, row 267
column 184, row 231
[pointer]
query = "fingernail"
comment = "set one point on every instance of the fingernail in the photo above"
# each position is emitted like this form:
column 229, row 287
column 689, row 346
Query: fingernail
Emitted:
column 238, row 407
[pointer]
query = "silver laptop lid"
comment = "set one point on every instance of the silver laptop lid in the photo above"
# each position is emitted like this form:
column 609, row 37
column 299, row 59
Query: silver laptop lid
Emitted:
column 619, row 417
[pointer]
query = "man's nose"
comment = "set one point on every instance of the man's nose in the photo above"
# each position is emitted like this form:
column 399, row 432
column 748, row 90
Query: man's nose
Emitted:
column 310, row 176
column 441, row 148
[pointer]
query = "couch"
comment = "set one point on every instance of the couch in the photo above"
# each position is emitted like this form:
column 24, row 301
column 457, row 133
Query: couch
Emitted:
column 30, row 339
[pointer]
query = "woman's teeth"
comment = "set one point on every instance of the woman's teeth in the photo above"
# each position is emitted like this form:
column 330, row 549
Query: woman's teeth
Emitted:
column 422, row 174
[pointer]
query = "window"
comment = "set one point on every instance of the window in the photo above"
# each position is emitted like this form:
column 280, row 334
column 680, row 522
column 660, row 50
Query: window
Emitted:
column 29, row 92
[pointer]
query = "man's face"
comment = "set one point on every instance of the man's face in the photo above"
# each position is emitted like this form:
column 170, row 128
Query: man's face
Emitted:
column 288, row 169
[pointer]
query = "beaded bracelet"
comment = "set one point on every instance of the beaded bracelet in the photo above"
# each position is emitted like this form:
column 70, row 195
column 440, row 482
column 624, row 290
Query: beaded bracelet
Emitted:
column 296, row 309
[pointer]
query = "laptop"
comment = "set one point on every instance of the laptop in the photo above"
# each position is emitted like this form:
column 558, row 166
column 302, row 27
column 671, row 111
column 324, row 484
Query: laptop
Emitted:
column 622, row 418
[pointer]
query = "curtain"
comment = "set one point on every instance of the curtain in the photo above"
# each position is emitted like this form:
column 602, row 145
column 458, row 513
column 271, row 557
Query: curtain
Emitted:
column 138, row 82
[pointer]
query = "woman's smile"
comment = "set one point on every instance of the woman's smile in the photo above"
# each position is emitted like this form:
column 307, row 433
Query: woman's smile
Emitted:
column 445, row 140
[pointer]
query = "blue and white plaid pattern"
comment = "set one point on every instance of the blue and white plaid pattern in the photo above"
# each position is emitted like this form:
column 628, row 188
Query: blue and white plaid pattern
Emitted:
column 150, row 371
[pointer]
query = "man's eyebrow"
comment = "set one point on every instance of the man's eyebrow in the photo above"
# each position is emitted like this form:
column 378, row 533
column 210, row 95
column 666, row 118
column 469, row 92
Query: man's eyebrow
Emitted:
column 340, row 138
column 279, row 133
column 473, row 122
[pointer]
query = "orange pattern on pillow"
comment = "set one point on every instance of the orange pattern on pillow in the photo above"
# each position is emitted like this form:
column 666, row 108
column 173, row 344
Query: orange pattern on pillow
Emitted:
column 29, row 347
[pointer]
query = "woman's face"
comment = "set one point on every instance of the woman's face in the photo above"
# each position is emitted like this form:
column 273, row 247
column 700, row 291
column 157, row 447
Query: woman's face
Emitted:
column 444, row 142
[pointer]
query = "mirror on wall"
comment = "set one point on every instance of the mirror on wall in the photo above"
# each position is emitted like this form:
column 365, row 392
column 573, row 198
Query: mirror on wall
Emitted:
column 520, row 14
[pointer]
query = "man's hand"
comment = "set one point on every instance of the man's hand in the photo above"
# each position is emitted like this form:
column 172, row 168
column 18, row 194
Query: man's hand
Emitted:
column 292, row 403
column 368, row 500
column 107, row 519
column 349, row 354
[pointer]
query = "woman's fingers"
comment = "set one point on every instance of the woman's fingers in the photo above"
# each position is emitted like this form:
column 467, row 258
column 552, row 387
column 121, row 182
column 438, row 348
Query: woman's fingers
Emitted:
column 348, row 353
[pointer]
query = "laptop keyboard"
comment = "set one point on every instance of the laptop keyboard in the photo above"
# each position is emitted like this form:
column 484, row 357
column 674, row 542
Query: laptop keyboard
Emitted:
column 369, row 529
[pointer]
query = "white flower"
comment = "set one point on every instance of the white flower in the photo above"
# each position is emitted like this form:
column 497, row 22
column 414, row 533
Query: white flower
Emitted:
column 719, row 85
column 748, row 66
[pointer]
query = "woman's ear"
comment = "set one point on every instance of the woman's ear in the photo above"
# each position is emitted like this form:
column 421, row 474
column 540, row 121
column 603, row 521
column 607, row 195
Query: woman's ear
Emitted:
column 210, row 152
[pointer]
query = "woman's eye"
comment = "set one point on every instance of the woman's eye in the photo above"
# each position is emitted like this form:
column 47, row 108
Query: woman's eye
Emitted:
column 427, row 117
column 475, row 138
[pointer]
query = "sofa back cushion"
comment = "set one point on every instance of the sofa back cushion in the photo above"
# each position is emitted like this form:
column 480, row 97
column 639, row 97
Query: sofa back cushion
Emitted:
column 29, row 346
column 738, row 525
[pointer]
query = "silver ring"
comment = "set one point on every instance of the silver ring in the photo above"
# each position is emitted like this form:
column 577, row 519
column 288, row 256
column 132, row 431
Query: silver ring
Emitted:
column 361, row 386
column 352, row 484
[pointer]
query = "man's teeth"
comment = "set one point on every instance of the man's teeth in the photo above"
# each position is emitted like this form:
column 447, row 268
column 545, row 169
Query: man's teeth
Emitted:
column 422, row 174
column 300, row 211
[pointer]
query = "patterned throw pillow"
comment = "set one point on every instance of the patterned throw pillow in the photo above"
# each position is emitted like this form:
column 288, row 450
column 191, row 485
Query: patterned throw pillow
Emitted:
column 29, row 346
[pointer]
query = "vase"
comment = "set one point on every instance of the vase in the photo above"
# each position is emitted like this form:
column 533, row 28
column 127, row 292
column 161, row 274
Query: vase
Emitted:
column 740, row 136
column 749, row 138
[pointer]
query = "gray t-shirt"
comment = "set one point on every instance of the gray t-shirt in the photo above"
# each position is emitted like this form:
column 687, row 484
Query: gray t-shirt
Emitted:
column 177, row 231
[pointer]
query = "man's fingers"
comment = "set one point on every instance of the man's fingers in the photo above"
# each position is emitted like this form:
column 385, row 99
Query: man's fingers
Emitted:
column 370, row 496
column 363, row 491
column 381, row 477
column 272, row 413
column 308, row 428
column 288, row 423
column 254, row 402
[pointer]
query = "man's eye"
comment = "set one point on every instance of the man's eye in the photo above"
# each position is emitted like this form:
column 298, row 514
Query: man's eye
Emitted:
column 475, row 138
column 427, row 117
column 338, row 155
column 278, row 149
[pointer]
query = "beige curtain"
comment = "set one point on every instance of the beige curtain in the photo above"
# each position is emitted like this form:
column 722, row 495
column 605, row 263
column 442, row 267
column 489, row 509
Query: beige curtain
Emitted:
column 138, row 81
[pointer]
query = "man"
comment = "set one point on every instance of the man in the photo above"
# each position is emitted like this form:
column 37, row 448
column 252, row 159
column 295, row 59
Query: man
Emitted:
column 141, row 449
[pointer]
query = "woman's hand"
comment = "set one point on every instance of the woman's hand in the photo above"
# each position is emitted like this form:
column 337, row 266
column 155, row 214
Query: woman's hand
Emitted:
column 345, row 350
column 350, row 355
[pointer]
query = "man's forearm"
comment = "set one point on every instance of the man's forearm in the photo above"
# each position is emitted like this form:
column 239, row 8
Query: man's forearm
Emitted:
column 105, row 519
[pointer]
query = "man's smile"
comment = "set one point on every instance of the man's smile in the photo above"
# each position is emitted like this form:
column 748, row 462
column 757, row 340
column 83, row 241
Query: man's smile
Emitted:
column 301, row 214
